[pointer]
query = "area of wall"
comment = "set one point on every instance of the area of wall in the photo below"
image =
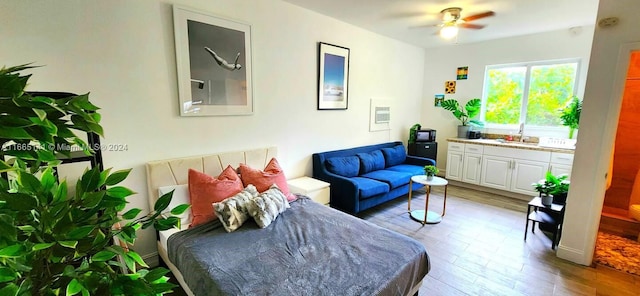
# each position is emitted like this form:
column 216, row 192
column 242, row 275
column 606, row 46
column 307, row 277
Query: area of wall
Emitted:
column 608, row 66
column 441, row 65
column 123, row 53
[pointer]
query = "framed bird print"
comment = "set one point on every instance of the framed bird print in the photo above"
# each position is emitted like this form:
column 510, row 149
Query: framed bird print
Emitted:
column 213, row 57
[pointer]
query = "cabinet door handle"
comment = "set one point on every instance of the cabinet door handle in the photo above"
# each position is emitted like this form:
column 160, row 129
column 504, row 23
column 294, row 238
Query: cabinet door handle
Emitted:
column 550, row 167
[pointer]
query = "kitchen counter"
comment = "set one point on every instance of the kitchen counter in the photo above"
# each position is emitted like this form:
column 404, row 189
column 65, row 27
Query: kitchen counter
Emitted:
column 510, row 144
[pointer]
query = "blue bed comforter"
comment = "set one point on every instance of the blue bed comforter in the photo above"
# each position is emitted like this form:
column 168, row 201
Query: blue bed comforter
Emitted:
column 310, row 249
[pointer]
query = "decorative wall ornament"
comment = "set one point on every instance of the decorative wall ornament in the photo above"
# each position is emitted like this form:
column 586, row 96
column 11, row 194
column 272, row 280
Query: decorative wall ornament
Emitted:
column 450, row 87
column 213, row 57
column 462, row 72
column 333, row 77
column 438, row 100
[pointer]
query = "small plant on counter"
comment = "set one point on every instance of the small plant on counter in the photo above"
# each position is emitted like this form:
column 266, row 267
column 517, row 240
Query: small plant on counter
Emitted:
column 570, row 115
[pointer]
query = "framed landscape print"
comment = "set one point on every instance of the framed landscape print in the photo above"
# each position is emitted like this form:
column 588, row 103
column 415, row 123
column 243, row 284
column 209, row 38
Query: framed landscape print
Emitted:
column 333, row 77
column 213, row 58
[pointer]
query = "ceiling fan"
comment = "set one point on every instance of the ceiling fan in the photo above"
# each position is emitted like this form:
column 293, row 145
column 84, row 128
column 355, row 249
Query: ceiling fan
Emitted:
column 451, row 21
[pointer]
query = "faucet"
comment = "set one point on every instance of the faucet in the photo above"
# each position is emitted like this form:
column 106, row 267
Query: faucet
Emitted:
column 521, row 132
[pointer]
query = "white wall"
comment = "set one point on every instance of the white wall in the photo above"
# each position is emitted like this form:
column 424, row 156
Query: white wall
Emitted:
column 441, row 65
column 123, row 53
column 602, row 101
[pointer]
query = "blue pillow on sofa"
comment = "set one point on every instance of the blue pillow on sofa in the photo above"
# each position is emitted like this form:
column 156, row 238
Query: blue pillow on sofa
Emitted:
column 371, row 161
column 394, row 156
column 346, row 166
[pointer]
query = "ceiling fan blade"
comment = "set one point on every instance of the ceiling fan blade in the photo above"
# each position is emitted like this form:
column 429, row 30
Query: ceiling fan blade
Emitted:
column 478, row 16
column 471, row 26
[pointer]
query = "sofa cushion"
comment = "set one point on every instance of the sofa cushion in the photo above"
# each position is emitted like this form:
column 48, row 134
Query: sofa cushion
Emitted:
column 346, row 166
column 370, row 187
column 394, row 156
column 371, row 161
column 407, row 168
column 393, row 178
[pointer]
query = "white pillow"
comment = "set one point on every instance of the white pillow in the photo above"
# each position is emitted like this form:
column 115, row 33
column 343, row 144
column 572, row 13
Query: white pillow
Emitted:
column 180, row 196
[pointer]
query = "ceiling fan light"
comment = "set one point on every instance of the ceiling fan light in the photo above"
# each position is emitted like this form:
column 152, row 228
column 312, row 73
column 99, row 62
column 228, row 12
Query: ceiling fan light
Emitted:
column 449, row 31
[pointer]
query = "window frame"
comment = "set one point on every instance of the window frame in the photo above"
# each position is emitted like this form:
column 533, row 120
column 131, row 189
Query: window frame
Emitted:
column 536, row 129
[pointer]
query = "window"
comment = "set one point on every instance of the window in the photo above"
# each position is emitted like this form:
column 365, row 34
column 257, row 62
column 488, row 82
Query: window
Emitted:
column 532, row 93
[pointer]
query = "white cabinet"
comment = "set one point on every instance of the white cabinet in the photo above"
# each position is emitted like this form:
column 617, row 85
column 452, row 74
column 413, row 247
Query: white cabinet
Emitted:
column 526, row 172
column 561, row 163
column 496, row 172
column 504, row 168
column 455, row 155
column 313, row 188
column 513, row 169
column 472, row 163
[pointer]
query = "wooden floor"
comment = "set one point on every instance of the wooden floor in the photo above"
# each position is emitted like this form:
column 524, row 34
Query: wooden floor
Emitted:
column 478, row 249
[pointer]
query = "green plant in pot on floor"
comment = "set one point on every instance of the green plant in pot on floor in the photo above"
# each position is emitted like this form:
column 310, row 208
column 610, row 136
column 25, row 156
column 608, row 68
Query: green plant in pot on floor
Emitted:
column 471, row 109
column 430, row 171
column 53, row 242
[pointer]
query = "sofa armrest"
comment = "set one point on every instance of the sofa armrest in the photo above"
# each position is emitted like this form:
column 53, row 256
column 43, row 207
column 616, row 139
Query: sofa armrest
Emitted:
column 419, row 161
column 344, row 192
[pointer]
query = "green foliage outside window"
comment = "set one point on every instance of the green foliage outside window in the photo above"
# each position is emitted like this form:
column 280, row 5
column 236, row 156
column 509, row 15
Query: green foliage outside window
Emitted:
column 550, row 89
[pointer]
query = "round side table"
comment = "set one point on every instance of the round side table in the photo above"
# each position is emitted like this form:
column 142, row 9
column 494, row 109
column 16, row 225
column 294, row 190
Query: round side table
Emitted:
column 425, row 216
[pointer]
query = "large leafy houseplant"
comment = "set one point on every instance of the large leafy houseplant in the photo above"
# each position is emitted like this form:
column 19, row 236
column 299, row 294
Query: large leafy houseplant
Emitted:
column 570, row 115
column 471, row 110
column 53, row 242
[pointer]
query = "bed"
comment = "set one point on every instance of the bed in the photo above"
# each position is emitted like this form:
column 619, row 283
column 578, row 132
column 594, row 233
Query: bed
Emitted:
column 310, row 249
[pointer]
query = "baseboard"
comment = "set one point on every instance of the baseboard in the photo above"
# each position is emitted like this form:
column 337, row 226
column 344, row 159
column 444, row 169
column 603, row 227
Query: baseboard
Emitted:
column 151, row 259
column 571, row 254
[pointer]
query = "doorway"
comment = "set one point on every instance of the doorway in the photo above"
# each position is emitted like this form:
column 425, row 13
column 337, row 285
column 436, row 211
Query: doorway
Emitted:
column 618, row 224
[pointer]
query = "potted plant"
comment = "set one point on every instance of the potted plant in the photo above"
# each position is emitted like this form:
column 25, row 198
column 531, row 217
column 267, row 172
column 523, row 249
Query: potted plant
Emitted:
column 412, row 133
column 561, row 189
column 471, row 110
column 430, row 171
column 552, row 186
column 570, row 115
column 53, row 242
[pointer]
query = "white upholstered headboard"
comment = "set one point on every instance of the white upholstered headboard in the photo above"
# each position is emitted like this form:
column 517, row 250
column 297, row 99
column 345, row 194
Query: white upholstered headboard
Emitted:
column 176, row 171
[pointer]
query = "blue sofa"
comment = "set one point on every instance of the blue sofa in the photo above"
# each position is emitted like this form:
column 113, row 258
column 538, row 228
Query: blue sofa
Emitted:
column 366, row 176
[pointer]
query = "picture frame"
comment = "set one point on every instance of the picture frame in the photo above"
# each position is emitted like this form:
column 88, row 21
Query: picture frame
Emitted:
column 333, row 77
column 462, row 72
column 214, row 64
column 439, row 98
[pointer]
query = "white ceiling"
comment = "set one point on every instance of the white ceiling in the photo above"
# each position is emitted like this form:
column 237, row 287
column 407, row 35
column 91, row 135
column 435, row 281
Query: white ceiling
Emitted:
column 409, row 20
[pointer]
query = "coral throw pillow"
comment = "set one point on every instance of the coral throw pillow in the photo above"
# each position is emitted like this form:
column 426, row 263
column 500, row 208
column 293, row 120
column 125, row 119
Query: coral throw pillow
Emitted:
column 263, row 180
column 205, row 190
